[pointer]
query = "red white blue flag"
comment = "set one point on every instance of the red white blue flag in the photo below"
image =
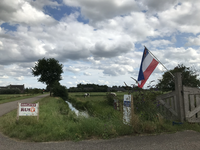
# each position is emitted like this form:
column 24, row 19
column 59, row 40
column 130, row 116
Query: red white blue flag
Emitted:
column 147, row 66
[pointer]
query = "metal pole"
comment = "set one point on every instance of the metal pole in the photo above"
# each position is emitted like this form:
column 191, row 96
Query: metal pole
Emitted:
column 159, row 61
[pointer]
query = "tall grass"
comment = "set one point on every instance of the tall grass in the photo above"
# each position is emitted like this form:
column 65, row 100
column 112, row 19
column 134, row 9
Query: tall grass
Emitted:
column 57, row 122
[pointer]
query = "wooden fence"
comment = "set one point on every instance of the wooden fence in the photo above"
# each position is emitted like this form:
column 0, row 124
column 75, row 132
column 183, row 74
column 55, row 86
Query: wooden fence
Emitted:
column 183, row 104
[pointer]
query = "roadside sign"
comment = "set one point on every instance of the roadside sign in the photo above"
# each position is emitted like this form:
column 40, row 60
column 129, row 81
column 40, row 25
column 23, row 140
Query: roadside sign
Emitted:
column 127, row 109
column 26, row 109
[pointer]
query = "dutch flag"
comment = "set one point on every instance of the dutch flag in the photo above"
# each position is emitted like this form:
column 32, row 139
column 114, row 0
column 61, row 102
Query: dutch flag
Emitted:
column 147, row 66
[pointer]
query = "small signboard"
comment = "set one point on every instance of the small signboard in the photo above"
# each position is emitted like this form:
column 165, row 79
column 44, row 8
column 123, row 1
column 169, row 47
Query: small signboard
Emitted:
column 127, row 109
column 26, row 109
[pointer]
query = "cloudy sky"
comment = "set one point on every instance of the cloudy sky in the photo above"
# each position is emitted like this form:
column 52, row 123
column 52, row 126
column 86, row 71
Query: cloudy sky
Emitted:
column 97, row 41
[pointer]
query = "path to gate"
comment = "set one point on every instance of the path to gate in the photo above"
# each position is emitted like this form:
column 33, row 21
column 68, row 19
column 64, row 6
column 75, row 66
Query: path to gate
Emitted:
column 186, row 140
column 7, row 107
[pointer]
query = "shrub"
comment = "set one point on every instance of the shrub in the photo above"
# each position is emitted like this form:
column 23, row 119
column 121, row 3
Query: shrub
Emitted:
column 146, row 105
column 110, row 99
column 9, row 91
column 60, row 91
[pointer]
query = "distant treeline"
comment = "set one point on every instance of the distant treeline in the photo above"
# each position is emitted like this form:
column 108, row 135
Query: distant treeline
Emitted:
column 88, row 88
column 25, row 91
column 34, row 91
column 97, row 88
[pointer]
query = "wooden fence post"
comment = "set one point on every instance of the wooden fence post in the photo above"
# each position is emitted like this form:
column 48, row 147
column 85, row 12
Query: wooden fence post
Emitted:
column 179, row 96
column 18, row 111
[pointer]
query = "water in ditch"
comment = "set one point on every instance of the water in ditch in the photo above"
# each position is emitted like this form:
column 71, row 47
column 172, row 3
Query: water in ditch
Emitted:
column 77, row 112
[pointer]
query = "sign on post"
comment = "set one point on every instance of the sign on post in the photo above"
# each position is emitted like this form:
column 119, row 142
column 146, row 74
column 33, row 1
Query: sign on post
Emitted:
column 25, row 109
column 127, row 109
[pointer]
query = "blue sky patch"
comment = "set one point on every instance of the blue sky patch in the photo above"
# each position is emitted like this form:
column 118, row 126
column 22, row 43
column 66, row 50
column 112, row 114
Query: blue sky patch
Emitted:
column 59, row 12
column 7, row 26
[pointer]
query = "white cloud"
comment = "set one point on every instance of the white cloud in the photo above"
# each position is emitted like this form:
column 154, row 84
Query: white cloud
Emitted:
column 116, row 69
column 103, row 82
column 108, row 49
column 173, row 40
column 158, row 44
column 70, row 83
column 19, row 78
column 87, row 74
column 183, row 17
column 96, row 10
column 41, row 4
column 20, row 11
column 74, row 77
column 193, row 41
column 4, row 77
column 73, row 69
column 156, row 6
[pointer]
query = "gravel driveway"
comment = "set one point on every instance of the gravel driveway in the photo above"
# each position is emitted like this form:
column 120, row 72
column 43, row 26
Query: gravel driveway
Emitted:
column 186, row 140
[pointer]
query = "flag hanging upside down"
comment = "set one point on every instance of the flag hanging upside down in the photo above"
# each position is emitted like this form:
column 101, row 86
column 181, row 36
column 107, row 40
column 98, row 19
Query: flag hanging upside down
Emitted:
column 148, row 64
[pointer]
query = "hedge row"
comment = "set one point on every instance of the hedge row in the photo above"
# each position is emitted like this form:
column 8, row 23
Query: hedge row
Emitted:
column 10, row 91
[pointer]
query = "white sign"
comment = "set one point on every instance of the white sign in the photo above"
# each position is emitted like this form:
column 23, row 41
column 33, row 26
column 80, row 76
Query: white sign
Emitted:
column 127, row 109
column 25, row 109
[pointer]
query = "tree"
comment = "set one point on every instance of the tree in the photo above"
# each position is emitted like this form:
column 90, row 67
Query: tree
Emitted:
column 49, row 71
column 189, row 78
column 60, row 91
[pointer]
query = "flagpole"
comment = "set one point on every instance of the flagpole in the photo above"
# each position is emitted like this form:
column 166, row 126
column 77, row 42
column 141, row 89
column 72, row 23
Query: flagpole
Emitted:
column 159, row 61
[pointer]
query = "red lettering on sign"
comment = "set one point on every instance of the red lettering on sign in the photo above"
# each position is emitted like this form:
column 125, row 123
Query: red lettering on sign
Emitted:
column 32, row 109
column 26, row 104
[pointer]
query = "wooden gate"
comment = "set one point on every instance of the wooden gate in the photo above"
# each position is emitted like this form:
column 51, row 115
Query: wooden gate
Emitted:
column 168, row 105
column 192, row 104
column 183, row 104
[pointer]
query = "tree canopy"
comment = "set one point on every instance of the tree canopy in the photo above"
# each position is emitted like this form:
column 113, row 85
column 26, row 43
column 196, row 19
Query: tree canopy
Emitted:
column 49, row 71
column 189, row 78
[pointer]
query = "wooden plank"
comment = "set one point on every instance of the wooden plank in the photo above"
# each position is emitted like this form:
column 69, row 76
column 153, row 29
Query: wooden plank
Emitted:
column 18, row 111
column 168, row 101
column 192, row 113
column 198, row 104
column 172, row 103
column 186, row 102
column 169, row 114
column 164, row 96
column 191, row 90
column 168, row 107
column 192, row 106
column 175, row 104
column 179, row 96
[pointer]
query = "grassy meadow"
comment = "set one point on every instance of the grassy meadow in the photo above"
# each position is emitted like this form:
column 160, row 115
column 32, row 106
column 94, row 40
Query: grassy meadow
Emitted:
column 57, row 122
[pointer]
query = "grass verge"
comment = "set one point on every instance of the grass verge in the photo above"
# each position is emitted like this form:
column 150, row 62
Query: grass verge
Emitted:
column 58, row 123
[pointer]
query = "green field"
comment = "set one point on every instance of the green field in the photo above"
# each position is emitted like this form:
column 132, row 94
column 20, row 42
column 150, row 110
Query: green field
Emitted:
column 96, row 96
column 57, row 122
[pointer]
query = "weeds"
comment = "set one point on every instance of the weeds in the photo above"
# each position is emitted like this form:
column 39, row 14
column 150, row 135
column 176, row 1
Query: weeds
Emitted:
column 57, row 122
